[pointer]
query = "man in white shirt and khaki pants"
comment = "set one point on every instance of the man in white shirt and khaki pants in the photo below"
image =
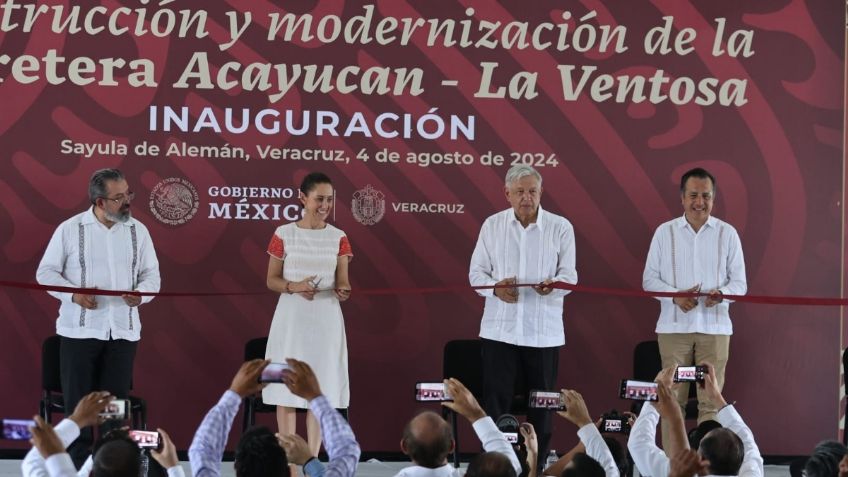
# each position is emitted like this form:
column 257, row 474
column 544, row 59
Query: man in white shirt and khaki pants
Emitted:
column 696, row 253
column 105, row 248
column 522, row 327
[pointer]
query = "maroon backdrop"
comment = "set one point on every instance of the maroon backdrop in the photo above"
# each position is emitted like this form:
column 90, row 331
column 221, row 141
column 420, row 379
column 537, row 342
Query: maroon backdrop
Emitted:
column 778, row 159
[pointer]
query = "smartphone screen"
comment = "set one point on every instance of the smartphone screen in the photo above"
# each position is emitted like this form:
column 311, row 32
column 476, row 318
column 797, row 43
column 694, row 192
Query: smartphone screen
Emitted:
column 511, row 437
column 612, row 425
column 274, row 373
column 431, row 392
column 145, row 439
column 638, row 390
column 117, row 409
column 689, row 374
column 546, row 400
column 17, row 429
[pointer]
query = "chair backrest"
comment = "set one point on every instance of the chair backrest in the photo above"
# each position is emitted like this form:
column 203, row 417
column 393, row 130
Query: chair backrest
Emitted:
column 255, row 348
column 50, row 365
column 845, row 372
column 647, row 363
column 646, row 360
column 463, row 360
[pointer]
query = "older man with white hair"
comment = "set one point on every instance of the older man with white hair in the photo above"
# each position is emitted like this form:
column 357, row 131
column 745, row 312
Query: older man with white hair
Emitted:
column 522, row 328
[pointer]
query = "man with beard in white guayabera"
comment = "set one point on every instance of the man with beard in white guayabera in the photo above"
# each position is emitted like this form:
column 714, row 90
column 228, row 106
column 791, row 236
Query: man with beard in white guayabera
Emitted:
column 105, row 248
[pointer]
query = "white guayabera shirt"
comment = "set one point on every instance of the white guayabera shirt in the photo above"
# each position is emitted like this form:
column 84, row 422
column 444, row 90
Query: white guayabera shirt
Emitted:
column 680, row 258
column 84, row 253
column 544, row 250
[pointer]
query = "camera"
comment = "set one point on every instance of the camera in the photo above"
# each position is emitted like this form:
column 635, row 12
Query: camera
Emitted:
column 689, row 374
column 117, row 409
column 613, row 422
column 146, row 439
column 274, row 373
column 17, row 429
column 551, row 400
column 638, row 390
column 508, row 425
column 431, row 392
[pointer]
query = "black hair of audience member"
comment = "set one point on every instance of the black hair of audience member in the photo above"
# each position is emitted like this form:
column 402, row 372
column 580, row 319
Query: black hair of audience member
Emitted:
column 490, row 464
column 583, row 466
column 258, row 454
column 313, row 179
column 725, row 451
column 432, row 453
column 698, row 433
column 116, row 455
column 824, row 461
column 619, row 455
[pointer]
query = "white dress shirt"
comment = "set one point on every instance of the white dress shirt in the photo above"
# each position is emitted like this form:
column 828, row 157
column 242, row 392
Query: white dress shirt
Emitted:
column 58, row 465
column 652, row 461
column 85, row 253
column 492, row 439
column 597, row 449
column 680, row 258
column 543, row 250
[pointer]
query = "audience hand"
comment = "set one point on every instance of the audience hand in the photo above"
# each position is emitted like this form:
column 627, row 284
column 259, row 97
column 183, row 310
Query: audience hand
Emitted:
column 44, row 438
column 531, row 442
column 297, row 450
column 687, row 463
column 246, row 380
column 711, row 388
column 667, row 404
column 666, row 376
column 464, row 403
column 575, row 408
column 687, row 304
column 301, row 380
column 167, row 454
column 507, row 294
column 87, row 412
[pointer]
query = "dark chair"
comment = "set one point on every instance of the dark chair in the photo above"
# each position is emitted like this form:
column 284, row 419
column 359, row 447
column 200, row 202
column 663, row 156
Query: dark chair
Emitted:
column 255, row 349
column 52, row 400
column 845, row 388
column 463, row 360
column 647, row 363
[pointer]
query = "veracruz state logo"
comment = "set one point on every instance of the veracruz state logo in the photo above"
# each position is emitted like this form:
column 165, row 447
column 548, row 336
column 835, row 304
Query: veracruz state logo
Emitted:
column 174, row 201
column 369, row 205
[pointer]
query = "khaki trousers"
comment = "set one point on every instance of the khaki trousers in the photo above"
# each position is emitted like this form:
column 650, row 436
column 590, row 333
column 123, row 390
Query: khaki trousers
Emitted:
column 687, row 349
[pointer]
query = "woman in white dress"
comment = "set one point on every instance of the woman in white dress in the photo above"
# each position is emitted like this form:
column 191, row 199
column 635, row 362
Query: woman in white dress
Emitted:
column 308, row 266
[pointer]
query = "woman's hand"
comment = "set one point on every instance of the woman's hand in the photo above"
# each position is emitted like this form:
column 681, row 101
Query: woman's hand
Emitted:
column 305, row 288
column 343, row 291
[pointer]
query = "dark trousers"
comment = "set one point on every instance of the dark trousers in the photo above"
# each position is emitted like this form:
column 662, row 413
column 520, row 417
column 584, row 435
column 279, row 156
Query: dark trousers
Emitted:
column 89, row 365
column 501, row 364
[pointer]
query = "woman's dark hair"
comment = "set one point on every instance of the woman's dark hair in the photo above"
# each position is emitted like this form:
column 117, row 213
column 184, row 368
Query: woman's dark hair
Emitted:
column 312, row 180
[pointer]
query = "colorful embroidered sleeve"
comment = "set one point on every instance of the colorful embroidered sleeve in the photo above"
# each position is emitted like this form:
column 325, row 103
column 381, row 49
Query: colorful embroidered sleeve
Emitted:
column 344, row 247
column 276, row 248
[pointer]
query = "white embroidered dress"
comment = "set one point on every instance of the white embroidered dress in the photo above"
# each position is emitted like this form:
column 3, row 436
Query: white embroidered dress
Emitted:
column 310, row 331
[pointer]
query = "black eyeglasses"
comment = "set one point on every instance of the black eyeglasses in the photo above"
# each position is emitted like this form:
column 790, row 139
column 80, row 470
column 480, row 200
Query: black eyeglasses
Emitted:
column 122, row 200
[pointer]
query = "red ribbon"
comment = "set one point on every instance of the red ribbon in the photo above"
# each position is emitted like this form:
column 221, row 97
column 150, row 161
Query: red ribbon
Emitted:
column 759, row 299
